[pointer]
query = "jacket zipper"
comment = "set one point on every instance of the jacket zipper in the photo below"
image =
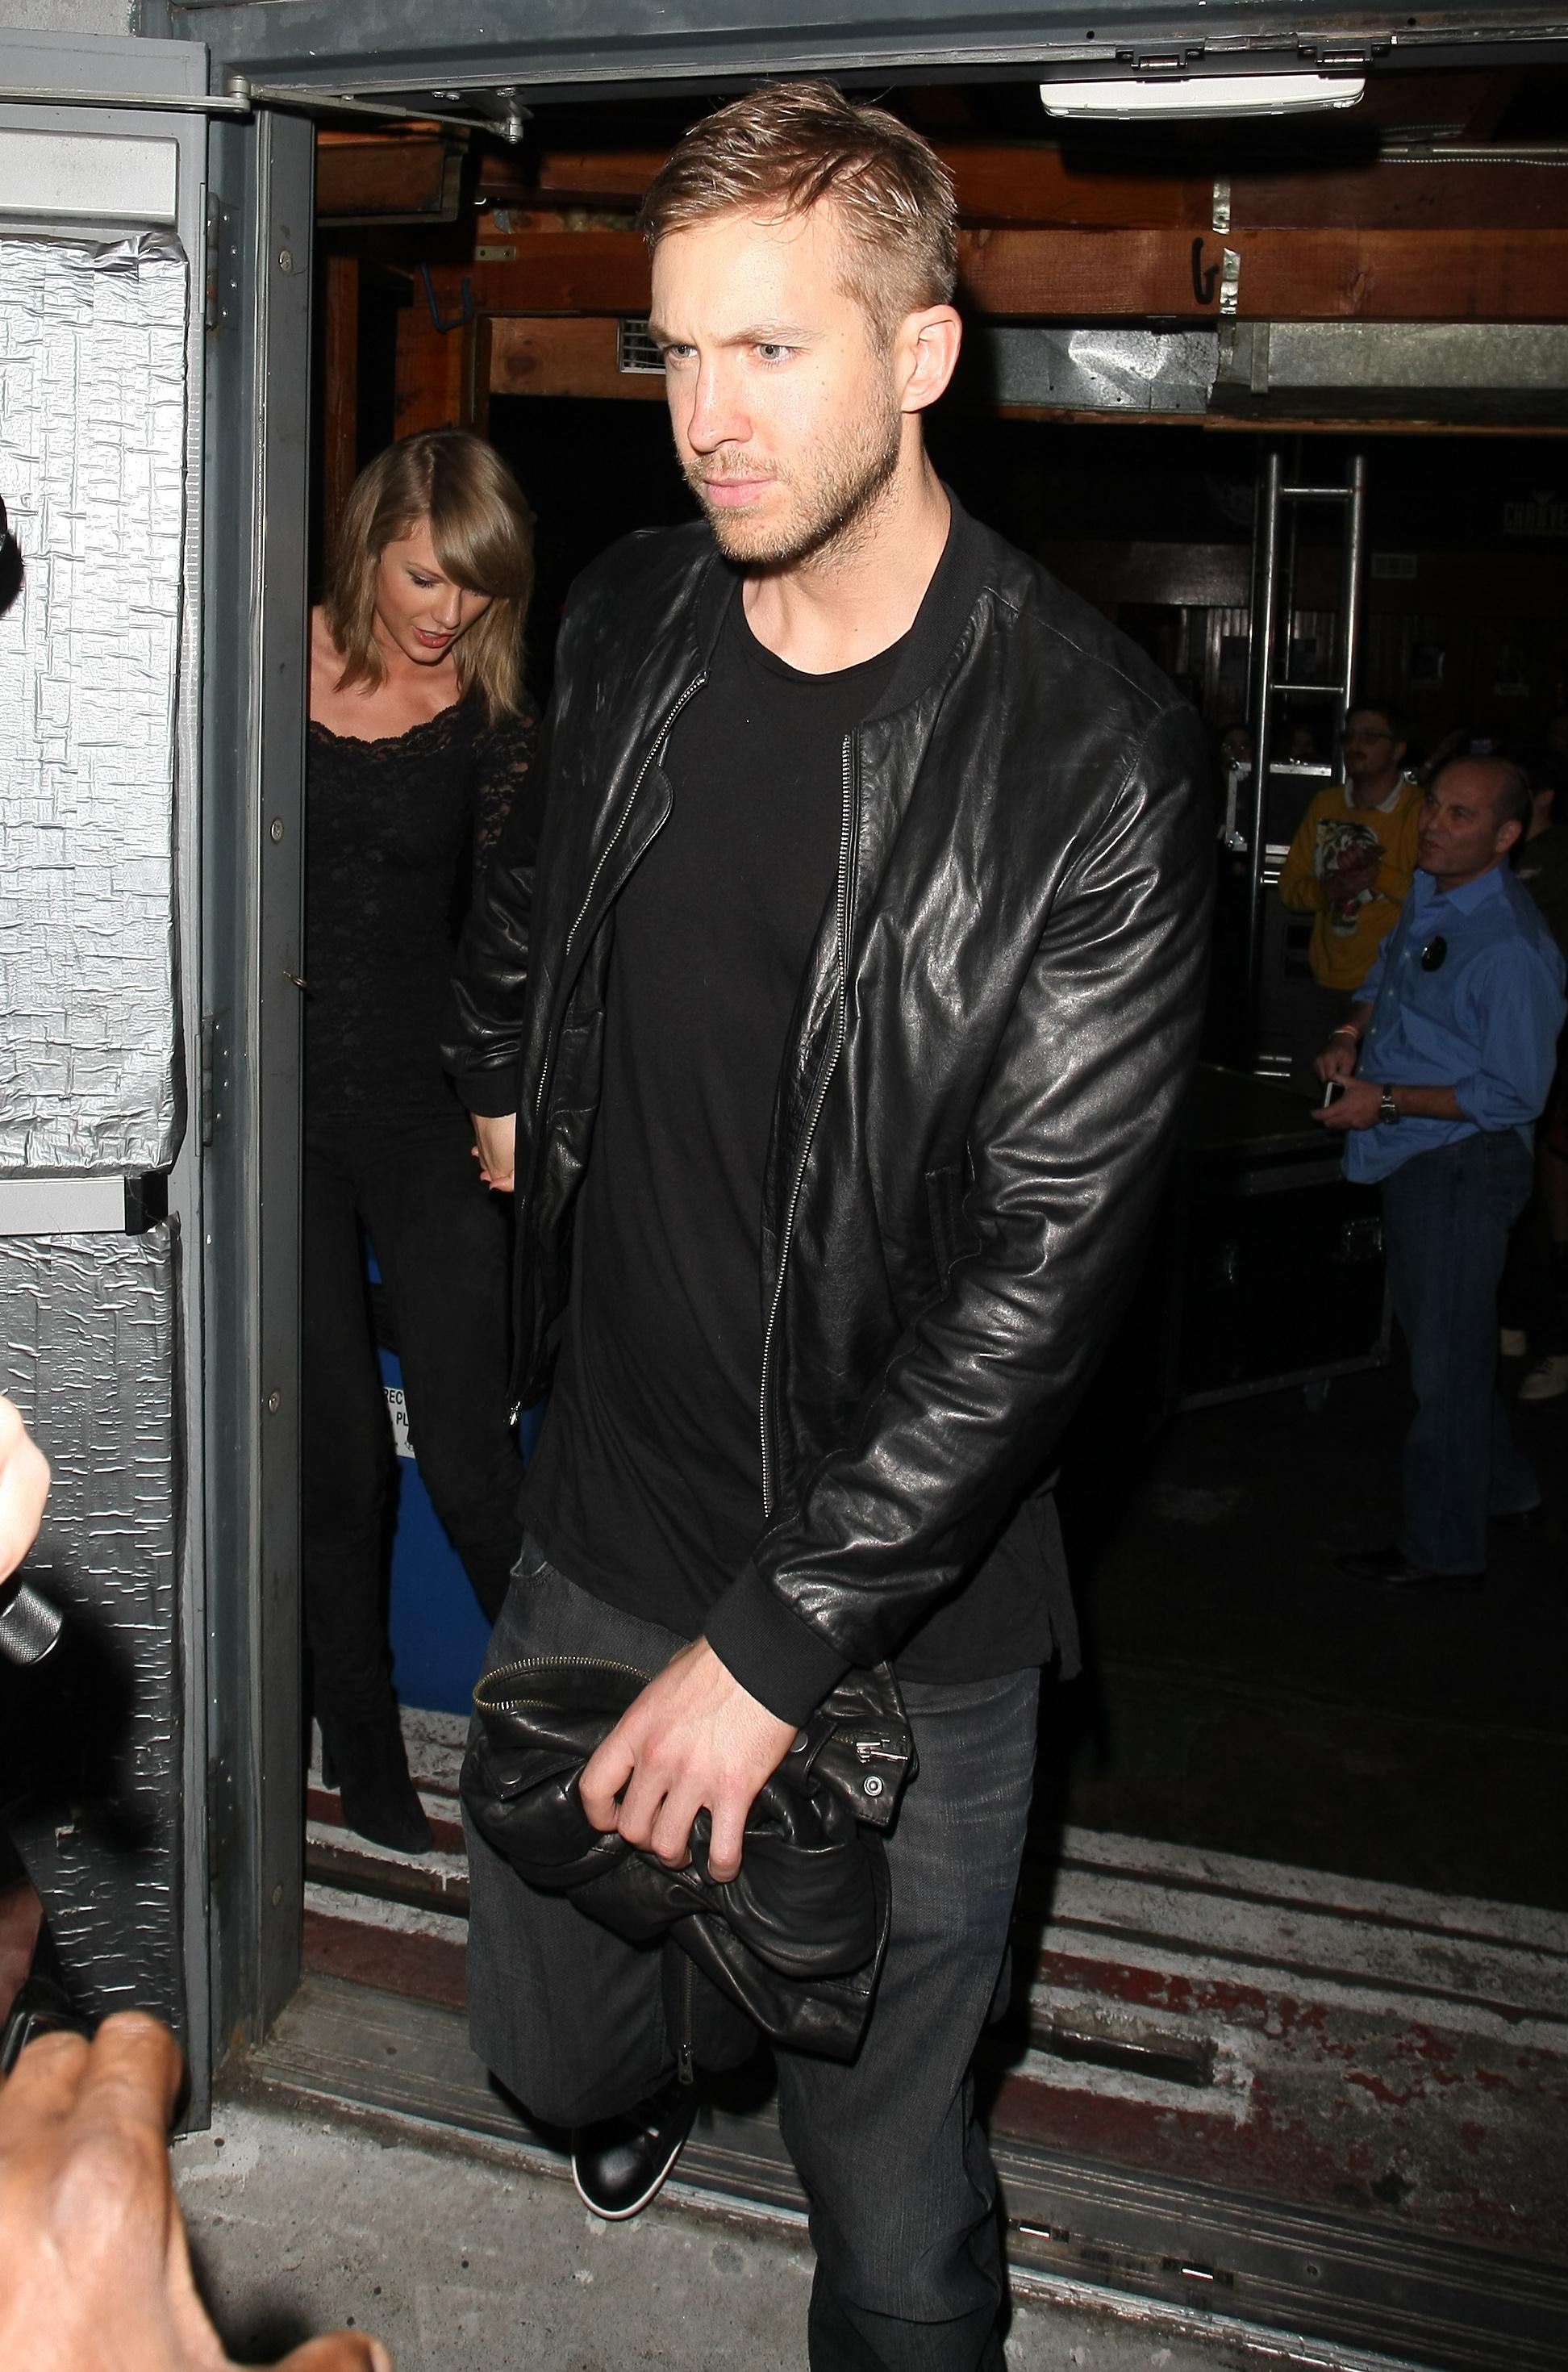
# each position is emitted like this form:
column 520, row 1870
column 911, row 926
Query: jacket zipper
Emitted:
column 847, row 842
column 607, row 851
column 685, row 2066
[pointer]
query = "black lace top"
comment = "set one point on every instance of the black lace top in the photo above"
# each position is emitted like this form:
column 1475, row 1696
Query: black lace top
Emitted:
column 398, row 836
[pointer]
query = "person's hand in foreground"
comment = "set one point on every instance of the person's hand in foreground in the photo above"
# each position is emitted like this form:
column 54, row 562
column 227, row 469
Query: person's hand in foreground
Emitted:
column 24, row 1486
column 693, row 1738
column 94, row 2271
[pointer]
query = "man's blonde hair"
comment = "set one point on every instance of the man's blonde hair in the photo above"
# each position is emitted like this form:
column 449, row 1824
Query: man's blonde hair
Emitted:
column 482, row 528
column 787, row 147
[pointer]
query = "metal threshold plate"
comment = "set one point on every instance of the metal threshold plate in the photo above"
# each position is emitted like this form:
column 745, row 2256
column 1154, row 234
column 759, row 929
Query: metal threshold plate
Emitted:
column 1326, row 2290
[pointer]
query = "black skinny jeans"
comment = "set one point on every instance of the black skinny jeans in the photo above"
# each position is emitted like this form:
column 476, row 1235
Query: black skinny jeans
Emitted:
column 442, row 1245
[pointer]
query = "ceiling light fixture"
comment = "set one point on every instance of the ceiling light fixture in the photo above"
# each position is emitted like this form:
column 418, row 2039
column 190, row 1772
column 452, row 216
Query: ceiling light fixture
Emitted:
column 1135, row 100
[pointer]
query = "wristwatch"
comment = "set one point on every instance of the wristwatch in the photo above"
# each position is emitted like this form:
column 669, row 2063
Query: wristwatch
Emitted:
column 1386, row 1108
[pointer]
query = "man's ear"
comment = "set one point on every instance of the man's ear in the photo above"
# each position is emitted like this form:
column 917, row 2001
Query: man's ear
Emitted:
column 1507, row 834
column 931, row 341
column 1398, row 756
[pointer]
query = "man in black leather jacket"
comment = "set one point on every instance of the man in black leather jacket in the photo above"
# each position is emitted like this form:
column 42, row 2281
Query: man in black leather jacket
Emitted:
column 834, row 1044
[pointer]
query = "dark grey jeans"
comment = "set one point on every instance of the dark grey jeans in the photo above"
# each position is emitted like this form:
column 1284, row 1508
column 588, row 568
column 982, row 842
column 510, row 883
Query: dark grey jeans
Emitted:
column 903, row 2214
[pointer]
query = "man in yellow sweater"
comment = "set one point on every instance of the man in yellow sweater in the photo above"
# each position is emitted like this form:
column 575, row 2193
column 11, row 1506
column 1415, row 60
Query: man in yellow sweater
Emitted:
column 1350, row 864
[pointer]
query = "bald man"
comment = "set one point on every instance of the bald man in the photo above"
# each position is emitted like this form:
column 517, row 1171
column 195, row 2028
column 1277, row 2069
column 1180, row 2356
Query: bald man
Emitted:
column 1438, row 1077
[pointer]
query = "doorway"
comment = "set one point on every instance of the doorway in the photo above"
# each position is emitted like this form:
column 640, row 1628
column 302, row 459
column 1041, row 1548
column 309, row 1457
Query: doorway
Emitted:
column 1268, row 1867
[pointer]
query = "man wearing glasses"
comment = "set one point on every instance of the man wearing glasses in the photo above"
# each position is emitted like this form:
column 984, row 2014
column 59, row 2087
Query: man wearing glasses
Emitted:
column 1350, row 868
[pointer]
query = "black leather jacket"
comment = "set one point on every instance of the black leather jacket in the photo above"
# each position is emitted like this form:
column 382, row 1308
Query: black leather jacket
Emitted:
column 978, row 1092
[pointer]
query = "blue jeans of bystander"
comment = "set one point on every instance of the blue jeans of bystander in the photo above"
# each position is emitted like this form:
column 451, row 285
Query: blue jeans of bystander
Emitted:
column 1447, row 1215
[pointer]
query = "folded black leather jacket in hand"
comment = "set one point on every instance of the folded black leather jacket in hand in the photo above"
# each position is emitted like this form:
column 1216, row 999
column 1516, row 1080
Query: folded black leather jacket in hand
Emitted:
column 796, row 1938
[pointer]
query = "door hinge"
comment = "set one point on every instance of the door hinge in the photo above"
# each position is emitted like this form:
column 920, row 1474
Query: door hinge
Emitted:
column 214, row 1077
column 220, row 279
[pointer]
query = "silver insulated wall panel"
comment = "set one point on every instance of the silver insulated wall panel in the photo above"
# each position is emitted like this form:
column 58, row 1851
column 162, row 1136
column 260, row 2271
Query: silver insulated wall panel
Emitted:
column 89, row 1739
column 92, row 461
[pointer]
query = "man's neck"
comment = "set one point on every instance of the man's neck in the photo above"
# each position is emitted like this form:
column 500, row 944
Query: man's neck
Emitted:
column 1373, row 790
column 1445, row 883
column 859, row 595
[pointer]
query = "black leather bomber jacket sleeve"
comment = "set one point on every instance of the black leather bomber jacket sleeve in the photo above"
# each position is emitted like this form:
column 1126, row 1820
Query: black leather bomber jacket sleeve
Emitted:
column 980, row 1099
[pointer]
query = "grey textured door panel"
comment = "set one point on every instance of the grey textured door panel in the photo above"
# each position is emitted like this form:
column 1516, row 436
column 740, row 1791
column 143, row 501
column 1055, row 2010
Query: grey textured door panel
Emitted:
column 92, row 468
column 92, row 1747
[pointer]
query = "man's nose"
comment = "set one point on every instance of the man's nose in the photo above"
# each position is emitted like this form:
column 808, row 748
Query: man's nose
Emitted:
column 718, row 417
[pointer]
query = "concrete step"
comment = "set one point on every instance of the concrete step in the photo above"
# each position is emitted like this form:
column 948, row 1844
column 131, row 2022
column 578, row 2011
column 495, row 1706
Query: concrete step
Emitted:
column 1307, row 2285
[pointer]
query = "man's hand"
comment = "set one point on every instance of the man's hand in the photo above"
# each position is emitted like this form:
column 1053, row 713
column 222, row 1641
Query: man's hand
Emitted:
column 1355, row 1108
column 24, row 1487
column 1347, row 881
column 96, row 2267
column 694, row 1736
column 496, row 1142
column 1337, row 1060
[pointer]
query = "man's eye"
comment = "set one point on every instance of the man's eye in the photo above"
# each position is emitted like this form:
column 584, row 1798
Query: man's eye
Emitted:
column 772, row 353
column 677, row 353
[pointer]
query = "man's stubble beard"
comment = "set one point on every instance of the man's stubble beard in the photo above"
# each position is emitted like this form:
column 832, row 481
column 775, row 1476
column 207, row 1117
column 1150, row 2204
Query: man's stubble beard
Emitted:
column 838, row 501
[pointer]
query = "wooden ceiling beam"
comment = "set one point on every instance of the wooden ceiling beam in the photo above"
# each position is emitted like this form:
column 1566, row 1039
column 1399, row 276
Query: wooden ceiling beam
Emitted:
column 1104, row 273
column 553, row 271
column 1022, row 184
column 1415, row 196
column 399, row 177
column 1285, row 275
column 550, row 356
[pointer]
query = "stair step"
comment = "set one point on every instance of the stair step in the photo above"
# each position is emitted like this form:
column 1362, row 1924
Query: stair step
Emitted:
column 1313, row 2287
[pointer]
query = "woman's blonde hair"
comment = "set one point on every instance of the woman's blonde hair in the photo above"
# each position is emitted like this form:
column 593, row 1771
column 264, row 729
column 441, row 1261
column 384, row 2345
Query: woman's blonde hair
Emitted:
column 482, row 528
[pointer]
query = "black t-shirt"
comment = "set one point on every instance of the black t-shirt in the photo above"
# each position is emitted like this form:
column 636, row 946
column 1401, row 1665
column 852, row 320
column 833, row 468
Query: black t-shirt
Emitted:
column 647, row 1486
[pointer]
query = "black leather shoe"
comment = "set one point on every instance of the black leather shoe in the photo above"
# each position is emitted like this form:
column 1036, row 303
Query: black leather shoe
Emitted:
column 1392, row 1569
column 620, row 2163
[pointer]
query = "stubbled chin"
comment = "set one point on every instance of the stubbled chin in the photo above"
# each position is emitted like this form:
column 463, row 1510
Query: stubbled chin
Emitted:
column 739, row 538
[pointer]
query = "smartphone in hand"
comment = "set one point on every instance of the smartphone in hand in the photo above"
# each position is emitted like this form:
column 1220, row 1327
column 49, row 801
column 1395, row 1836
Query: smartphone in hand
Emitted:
column 1331, row 1087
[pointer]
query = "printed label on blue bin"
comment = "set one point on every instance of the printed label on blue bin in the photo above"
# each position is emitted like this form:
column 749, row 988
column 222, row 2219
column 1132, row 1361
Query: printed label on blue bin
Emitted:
column 397, row 1408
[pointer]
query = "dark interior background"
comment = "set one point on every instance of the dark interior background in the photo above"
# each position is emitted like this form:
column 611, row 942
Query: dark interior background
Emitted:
column 1238, row 1693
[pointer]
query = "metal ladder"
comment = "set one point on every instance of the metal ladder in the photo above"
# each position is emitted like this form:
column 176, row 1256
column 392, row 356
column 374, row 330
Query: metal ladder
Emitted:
column 1274, row 605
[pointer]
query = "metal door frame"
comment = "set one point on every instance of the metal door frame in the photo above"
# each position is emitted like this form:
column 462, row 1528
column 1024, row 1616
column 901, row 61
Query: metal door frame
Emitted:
column 262, row 195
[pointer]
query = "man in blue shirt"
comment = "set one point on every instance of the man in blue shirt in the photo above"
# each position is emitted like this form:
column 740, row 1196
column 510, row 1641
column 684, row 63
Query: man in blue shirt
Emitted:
column 1438, row 1077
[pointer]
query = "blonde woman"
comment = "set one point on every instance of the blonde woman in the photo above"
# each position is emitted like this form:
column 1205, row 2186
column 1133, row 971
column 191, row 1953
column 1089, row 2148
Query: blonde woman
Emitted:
column 422, row 739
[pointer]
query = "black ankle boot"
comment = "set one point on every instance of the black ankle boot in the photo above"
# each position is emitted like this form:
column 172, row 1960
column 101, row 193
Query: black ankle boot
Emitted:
column 365, row 1761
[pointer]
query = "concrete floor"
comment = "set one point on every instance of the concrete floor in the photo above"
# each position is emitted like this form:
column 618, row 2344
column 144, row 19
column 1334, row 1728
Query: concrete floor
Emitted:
column 300, row 2224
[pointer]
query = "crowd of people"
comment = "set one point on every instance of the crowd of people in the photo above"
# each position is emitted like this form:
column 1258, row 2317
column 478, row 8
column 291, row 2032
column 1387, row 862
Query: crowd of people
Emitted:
column 818, row 995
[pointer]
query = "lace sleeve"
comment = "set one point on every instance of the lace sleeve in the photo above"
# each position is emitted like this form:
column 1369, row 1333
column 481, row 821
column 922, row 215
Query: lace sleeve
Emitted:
column 504, row 776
